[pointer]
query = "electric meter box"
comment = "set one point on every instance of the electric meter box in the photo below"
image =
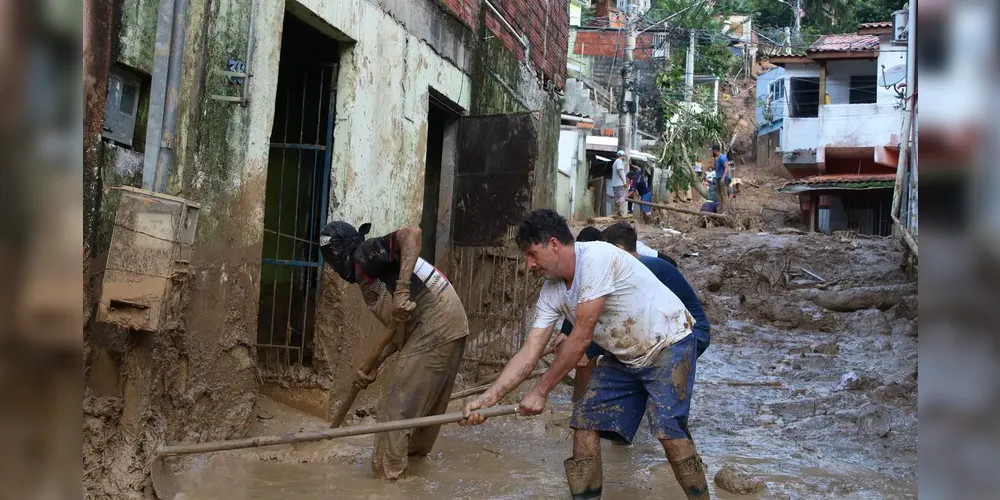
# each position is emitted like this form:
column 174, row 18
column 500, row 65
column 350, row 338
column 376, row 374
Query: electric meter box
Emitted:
column 151, row 246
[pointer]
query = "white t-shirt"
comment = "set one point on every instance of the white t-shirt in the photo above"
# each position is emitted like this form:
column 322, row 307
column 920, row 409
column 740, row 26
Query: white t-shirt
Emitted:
column 697, row 168
column 641, row 315
column 642, row 249
column 617, row 172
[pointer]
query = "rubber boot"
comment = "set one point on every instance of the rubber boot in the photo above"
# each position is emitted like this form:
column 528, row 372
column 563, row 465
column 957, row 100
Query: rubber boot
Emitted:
column 690, row 473
column 584, row 478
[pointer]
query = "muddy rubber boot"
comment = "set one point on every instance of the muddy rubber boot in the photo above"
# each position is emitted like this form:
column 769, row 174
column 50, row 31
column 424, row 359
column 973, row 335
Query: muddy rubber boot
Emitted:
column 584, row 478
column 690, row 473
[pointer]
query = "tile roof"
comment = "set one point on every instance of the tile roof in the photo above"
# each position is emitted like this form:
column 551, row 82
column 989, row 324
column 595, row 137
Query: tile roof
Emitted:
column 849, row 42
column 879, row 24
column 844, row 179
column 843, row 182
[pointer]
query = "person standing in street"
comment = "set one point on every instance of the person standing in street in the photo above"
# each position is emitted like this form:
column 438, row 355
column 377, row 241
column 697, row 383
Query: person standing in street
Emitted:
column 618, row 183
column 722, row 178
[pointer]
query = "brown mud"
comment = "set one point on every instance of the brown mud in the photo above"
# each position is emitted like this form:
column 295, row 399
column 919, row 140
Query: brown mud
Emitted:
column 802, row 400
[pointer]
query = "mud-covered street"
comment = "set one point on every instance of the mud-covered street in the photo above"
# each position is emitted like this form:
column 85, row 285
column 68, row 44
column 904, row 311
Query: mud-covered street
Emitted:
column 811, row 402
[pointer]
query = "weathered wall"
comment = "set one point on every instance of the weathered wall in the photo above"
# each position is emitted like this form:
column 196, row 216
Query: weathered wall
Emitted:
column 193, row 381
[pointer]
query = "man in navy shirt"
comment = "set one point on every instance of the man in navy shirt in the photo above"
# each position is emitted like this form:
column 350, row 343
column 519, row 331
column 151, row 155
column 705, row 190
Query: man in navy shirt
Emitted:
column 623, row 236
column 641, row 189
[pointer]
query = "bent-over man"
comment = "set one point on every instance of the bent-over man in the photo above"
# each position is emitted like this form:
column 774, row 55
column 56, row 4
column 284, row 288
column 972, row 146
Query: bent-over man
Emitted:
column 616, row 302
column 398, row 285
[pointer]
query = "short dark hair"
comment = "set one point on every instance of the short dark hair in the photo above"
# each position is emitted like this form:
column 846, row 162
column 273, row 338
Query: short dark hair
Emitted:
column 621, row 233
column 589, row 233
column 538, row 226
column 715, row 147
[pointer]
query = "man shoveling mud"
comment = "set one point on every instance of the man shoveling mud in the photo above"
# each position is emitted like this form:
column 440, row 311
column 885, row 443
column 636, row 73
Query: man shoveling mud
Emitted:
column 399, row 286
column 615, row 301
column 623, row 235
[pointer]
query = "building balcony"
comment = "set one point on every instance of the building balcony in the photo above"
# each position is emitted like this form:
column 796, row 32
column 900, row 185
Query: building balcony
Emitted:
column 842, row 126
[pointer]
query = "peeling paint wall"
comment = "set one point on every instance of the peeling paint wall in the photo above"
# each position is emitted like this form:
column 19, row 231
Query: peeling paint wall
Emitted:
column 195, row 379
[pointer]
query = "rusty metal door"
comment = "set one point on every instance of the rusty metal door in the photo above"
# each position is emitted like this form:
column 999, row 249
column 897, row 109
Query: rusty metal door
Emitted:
column 497, row 157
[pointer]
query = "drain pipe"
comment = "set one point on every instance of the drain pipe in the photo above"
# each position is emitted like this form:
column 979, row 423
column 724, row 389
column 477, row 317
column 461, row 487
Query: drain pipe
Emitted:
column 167, row 133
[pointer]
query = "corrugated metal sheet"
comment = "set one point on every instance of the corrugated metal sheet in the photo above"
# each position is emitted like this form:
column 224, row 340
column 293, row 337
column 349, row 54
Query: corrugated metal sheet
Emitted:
column 840, row 181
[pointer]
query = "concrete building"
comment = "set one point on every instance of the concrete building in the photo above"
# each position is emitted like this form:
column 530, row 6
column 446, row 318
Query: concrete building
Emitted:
column 840, row 127
column 442, row 114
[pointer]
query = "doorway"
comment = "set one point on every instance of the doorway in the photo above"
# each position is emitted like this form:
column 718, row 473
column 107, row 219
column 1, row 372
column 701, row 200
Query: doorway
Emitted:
column 297, row 191
column 441, row 120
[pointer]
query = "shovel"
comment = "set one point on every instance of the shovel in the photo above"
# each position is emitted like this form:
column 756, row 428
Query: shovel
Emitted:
column 369, row 366
column 166, row 486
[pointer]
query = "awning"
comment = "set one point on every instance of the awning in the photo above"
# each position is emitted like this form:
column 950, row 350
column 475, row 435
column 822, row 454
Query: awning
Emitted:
column 845, row 182
column 610, row 145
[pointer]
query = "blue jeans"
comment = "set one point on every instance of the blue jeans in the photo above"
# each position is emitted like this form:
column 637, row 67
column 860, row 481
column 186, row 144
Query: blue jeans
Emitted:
column 618, row 396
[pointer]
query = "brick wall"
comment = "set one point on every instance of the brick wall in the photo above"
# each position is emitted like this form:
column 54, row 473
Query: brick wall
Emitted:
column 604, row 43
column 545, row 22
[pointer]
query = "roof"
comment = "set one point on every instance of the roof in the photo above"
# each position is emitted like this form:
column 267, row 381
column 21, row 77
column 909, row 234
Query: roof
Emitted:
column 840, row 182
column 848, row 42
column 610, row 145
column 879, row 24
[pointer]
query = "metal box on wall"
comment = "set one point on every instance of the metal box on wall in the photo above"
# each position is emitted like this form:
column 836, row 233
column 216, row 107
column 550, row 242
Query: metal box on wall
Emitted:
column 151, row 243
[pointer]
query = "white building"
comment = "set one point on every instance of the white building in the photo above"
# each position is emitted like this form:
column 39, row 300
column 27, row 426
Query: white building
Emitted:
column 841, row 126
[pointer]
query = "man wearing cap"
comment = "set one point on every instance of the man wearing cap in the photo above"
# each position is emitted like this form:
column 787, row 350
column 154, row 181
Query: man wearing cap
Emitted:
column 618, row 183
column 397, row 285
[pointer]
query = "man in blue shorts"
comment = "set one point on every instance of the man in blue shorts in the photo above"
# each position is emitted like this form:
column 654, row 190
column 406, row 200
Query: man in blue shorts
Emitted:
column 616, row 302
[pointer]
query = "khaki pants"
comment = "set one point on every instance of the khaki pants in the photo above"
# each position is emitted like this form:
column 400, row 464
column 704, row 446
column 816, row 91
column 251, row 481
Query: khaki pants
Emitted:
column 420, row 387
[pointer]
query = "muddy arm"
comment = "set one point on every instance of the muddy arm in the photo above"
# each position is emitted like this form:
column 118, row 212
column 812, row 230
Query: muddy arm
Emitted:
column 520, row 366
column 574, row 347
column 409, row 240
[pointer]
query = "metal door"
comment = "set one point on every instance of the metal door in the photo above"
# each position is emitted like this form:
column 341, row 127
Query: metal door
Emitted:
column 296, row 209
column 493, row 189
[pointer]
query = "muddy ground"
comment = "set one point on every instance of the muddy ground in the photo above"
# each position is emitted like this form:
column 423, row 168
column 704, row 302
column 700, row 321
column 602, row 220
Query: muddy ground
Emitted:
column 815, row 403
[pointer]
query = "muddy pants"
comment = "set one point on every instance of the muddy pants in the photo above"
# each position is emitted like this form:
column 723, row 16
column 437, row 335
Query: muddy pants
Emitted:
column 421, row 387
column 618, row 395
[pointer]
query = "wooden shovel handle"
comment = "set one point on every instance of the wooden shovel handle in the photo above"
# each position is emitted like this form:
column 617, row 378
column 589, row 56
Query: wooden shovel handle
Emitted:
column 367, row 367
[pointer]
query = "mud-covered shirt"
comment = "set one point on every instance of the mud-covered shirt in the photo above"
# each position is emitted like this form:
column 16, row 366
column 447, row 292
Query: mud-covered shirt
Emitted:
column 439, row 316
column 641, row 316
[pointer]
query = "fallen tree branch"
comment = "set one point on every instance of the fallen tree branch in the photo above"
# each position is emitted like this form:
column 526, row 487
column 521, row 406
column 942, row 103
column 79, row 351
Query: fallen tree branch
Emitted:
column 720, row 217
column 856, row 299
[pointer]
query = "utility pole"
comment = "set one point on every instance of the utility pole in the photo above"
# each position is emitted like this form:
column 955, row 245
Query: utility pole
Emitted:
column 798, row 19
column 625, row 100
column 689, row 67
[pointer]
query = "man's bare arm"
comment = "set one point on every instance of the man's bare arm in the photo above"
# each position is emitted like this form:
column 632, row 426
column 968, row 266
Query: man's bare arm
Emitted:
column 519, row 367
column 409, row 239
column 572, row 348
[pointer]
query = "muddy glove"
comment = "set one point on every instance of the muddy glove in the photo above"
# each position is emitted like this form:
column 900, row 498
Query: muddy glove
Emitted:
column 402, row 306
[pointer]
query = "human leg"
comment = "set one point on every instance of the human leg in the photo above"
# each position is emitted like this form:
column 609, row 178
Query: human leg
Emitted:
column 422, row 440
column 670, row 381
column 415, row 391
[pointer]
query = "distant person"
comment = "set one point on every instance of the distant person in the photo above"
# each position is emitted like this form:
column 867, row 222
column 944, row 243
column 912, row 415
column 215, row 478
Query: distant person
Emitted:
column 640, row 188
column 618, row 183
column 723, row 177
column 699, row 170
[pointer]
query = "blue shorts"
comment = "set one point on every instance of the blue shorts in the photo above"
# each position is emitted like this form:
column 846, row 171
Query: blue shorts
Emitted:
column 618, row 395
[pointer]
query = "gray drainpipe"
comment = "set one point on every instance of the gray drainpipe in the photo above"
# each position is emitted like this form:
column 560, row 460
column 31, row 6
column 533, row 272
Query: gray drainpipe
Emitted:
column 168, row 58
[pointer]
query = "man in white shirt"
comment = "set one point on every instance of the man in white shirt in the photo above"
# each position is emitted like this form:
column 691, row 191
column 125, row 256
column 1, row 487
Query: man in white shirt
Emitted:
column 613, row 300
column 618, row 183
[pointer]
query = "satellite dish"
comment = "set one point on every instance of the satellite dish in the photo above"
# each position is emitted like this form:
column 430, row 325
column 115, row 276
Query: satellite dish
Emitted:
column 892, row 76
